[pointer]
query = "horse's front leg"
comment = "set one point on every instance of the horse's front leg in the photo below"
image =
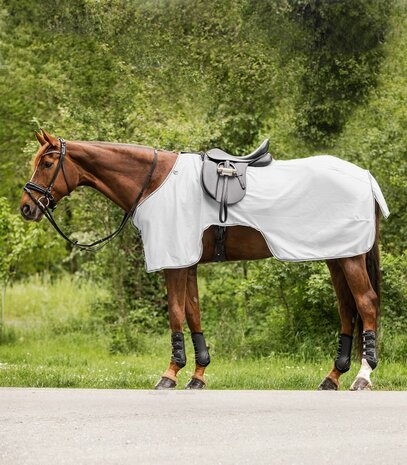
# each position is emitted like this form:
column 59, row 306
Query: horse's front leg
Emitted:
column 193, row 315
column 176, row 282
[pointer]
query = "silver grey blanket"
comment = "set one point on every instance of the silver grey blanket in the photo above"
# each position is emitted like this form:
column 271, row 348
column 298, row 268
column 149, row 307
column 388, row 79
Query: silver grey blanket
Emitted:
column 307, row 209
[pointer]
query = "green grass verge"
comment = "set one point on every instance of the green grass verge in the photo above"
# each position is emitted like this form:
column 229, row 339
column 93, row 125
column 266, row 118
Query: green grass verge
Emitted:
column 82, row 361
column 51, row 344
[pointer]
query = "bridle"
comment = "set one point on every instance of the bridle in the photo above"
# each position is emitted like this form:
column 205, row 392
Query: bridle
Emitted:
column 46, row 193
column 50, row 205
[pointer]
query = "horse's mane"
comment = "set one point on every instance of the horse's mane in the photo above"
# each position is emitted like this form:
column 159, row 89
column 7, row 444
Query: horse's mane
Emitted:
column 112, row 144
column 41, row 151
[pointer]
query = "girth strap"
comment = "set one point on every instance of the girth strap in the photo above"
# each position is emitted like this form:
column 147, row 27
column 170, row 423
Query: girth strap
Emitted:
column 219, row 254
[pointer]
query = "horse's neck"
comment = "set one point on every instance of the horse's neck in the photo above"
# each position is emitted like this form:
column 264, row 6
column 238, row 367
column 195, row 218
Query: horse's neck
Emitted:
column 118, row 171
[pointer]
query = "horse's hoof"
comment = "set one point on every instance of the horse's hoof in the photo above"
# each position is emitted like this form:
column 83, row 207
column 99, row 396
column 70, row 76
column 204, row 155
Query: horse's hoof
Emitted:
column 165, row 383
column 327, row 385
column 195, row 383
column 361, row 384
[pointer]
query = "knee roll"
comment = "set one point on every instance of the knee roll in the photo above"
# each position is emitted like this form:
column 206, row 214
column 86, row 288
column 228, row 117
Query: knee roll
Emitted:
column 201, row 350
column 178, row 349
column 342, row 362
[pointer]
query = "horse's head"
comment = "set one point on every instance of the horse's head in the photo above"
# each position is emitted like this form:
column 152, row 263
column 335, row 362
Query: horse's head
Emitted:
column 53, row 178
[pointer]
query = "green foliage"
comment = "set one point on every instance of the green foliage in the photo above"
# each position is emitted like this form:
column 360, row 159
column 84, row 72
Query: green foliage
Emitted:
column 395, row 293
column 376, row 136
column 8, row 334
column 137, row 304
column 342, row 53
column 54, row 305
column 14, row 240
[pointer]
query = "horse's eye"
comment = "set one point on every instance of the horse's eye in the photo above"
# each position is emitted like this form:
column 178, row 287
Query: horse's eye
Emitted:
column 48, row 164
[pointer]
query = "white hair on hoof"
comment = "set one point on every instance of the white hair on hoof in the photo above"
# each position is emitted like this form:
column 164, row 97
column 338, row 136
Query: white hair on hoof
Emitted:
column 363, row 381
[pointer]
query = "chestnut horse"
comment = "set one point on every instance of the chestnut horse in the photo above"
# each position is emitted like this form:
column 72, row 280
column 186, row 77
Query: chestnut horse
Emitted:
column 120, row 171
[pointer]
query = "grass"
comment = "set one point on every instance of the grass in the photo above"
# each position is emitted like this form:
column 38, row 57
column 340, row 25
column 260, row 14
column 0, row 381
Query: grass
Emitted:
column 56, row 303
column 79, row 360
column 52, row 344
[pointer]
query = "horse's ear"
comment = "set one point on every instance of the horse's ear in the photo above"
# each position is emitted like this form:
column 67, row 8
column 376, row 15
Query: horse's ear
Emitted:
column 39, row 137
column 48, row 138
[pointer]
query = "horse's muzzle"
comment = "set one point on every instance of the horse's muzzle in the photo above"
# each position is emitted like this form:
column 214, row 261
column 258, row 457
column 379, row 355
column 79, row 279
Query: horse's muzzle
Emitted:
column 31, row 212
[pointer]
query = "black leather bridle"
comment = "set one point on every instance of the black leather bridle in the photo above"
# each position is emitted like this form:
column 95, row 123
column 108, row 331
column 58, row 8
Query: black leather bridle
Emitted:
column 46, row 193
column 50, row 205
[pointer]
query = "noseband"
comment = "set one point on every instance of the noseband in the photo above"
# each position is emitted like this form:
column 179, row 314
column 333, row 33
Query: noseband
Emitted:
column 50, row 205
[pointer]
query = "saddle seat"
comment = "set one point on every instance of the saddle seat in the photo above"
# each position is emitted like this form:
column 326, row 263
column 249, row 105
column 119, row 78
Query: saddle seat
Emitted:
column 223, row 176
column 259, row 157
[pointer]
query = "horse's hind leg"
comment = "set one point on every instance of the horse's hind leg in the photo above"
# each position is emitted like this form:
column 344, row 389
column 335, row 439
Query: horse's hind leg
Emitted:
column 193, row 315
column 347, row 313
column 176, row 282
column 367, row 303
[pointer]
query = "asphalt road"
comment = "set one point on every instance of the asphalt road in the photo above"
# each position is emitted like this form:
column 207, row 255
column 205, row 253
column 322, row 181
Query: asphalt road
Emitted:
column 78, row 426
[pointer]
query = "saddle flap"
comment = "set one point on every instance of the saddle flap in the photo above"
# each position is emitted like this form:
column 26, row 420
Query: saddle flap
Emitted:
column 229, row 187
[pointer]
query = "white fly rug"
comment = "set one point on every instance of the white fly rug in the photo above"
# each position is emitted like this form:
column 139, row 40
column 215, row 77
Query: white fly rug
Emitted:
column 307, row 209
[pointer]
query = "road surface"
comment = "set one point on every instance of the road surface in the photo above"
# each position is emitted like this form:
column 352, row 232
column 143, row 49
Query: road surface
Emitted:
column 86, row 426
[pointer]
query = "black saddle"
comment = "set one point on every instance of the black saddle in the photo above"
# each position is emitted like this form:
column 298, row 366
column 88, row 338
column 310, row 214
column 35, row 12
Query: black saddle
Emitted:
column 224, row 175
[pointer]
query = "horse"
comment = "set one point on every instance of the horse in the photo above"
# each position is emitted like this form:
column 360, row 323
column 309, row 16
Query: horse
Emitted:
column 119, row 171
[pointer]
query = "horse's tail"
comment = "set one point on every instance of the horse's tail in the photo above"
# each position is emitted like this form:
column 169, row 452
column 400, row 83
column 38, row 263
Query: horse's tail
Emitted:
column 373, row 270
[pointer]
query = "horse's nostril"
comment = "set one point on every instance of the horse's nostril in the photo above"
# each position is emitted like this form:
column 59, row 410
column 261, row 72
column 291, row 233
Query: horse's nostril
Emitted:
column 25, row 209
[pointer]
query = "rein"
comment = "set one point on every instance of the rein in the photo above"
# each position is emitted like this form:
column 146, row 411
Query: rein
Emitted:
column 51, row 204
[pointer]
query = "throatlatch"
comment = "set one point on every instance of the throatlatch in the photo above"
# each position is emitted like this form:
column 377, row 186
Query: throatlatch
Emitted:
column 342, row 362
column 369, row 348
column 202, row 357
column 178, row 349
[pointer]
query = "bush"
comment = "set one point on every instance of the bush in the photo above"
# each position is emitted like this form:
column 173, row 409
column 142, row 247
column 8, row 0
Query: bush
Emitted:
column 8, row 334
column 341, row 44
column 394, row 300
column 137, row 305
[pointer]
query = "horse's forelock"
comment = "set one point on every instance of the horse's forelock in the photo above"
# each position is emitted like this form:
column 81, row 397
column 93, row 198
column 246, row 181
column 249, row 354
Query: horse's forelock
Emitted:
column 37, row 157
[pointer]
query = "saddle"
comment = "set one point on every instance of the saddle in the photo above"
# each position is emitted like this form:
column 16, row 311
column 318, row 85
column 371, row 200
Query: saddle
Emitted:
column 223, row 176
